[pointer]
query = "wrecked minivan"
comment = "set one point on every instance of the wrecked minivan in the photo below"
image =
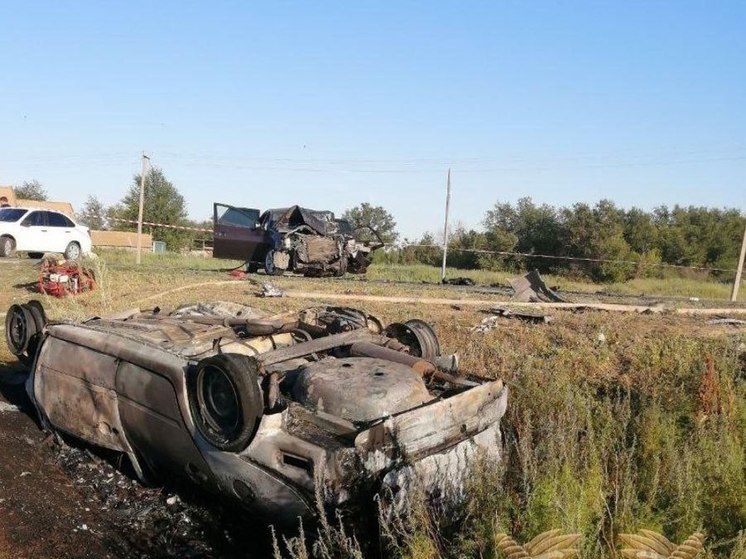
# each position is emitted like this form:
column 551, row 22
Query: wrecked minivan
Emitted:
column 293, row 239
column 271, row 412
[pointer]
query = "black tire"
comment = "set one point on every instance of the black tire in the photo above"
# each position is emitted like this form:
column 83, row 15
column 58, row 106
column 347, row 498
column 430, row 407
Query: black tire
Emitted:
column 252, row 267
column 37, row 311
column 20, row 327
column 7, row 246
column 225, row 400
column 269, row 264
column 72, row 252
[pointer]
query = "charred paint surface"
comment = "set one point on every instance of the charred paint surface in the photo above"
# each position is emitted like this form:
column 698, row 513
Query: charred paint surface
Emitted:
column 262, row 411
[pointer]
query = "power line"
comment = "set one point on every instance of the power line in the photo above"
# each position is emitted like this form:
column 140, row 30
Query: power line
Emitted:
column 578, row 258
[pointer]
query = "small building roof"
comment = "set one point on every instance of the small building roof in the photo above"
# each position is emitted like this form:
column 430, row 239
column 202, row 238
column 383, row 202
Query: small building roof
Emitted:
column 64, row 207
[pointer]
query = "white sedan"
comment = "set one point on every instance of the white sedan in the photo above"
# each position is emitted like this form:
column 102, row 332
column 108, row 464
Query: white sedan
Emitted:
column 36, row 230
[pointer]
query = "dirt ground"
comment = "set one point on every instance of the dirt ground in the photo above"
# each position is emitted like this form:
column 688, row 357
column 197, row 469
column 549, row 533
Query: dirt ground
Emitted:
column 64, row 501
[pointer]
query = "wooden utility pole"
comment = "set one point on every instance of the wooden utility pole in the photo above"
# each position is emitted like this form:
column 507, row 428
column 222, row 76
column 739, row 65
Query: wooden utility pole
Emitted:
column 737, row 282
column 445, row 227
column 145, row 160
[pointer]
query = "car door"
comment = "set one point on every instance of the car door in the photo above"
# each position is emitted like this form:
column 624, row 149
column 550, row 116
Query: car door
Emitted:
column 236, row 233
column 61, row 230
column 34, row 235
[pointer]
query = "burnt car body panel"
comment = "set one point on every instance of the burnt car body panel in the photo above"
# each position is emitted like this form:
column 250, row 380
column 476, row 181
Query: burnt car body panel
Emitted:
column 335, row 422
column 302, row 240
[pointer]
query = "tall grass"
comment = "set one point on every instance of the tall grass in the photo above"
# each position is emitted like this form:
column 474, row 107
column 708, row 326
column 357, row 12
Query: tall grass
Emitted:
column 602, row 438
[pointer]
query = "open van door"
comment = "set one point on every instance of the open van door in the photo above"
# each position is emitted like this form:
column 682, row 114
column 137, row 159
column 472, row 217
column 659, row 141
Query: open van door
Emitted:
column 236, row 233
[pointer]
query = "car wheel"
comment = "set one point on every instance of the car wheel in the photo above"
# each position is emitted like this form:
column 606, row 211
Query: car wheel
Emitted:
column 252, row 267
column 225, row 400
column 72, row 252
column 20, row 327
column 269, row 264
column 7, row 246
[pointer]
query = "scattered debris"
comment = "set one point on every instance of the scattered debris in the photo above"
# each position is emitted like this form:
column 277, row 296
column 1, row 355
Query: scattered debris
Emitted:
column 487, row 324
column 5, row 406
column 601, row 338
column 269, row 290
column 531, row 287
column 490, row 322
column 726, row 320
column 238, row 274
column 24, row 474
column 458, row 281
column 527, row 316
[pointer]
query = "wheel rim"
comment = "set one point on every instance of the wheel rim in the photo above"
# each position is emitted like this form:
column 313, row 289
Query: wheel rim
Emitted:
column 218, row 398
column 19, row 329
column 7, row 246
column 73, row 251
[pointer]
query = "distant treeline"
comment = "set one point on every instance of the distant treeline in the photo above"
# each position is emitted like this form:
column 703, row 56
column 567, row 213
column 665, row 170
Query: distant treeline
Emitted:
column 683, row 236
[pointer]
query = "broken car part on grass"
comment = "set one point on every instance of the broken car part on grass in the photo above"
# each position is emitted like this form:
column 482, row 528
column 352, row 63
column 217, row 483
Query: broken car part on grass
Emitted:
column 268, row 412
column 294, row 239
column 59, row 277
column 530, row 287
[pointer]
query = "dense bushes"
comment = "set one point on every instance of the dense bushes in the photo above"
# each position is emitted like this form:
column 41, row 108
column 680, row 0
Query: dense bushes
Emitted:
column 691, row 236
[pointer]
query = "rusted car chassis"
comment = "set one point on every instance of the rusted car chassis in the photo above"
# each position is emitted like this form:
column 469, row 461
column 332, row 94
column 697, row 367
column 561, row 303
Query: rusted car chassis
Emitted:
column 271, row 412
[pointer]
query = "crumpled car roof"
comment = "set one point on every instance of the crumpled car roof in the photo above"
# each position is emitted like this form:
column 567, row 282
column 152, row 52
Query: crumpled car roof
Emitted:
column 286, row 219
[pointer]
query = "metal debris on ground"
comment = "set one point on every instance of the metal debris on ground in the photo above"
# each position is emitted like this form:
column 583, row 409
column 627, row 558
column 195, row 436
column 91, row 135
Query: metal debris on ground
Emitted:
column 527, row 316
column 269, row 290
column 153, row 522
column 490, row 322
column 531, row 288
column 458, row 281
column 727, row 320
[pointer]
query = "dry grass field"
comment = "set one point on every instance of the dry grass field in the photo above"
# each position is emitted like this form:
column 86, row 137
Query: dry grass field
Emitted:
column 616, row 421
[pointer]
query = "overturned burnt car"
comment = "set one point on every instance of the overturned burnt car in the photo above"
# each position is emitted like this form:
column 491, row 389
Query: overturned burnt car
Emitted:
column 295, row 239
column 275, row 413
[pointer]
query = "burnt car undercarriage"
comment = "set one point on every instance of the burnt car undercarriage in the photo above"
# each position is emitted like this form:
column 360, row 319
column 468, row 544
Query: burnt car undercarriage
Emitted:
column 271, row 412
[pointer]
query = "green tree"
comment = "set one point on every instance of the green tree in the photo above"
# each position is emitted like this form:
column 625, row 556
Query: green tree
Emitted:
column 31, row 190
column 525, row 228
column 93, row 214
column 163, row 204
column 596, row 233
column 377, row 217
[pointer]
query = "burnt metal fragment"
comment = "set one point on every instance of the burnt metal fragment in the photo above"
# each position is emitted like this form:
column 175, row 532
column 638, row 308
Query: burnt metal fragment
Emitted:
column 530, row 287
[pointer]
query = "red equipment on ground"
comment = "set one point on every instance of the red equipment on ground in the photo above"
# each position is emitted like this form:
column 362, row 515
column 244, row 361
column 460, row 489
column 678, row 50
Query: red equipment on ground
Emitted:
column 61, row 278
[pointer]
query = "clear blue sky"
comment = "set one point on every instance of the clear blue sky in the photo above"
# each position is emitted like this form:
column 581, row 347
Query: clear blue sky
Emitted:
column 328, row 104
